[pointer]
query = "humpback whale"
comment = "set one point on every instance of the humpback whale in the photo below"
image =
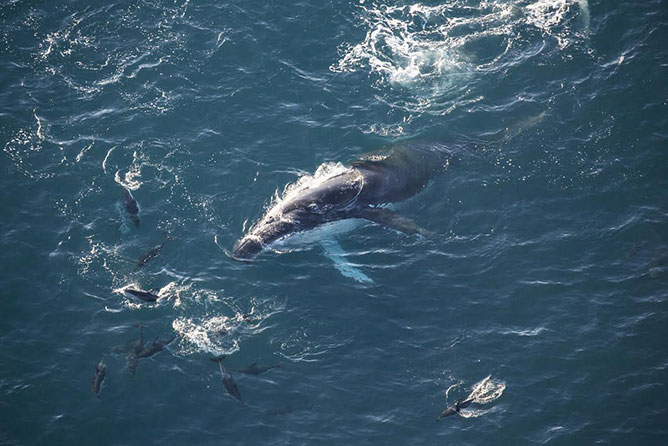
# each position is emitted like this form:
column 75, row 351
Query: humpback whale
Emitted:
column 359, row 191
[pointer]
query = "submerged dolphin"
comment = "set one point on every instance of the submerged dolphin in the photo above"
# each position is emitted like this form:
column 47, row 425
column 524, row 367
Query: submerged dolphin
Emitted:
column 229, row 382
column 156, row 347
column 133, row 356
column 131, row 206
column 355, row 192
column 100, row 373
column 255, row 369
column 153, row 252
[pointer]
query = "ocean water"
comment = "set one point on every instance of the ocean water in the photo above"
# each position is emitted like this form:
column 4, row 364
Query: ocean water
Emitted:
column 544, row 294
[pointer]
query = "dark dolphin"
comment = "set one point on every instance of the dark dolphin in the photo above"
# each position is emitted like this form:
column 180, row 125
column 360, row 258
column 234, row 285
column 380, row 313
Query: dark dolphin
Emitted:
column 133, row 356
column 131, row 206
column 100, row 373
column 279, row 411
column 146, row 296
column 228, row 381
column 155, row 347
column 358, row 192
column 254, row 369
column 455, row 408
column 152, row 253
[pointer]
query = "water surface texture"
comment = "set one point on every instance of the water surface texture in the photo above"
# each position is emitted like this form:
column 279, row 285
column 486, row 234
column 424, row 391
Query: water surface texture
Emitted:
column 544, row 294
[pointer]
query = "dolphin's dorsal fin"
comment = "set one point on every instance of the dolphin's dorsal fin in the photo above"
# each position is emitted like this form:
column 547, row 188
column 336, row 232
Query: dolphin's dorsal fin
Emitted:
column 253, row 365
column 390, row 219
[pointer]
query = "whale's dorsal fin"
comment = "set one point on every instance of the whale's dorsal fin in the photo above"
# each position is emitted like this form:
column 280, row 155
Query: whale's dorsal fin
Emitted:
column 390, row 219
column 334, row 251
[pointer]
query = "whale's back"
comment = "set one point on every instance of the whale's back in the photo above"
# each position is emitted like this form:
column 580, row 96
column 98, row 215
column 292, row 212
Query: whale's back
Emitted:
column 399, row 173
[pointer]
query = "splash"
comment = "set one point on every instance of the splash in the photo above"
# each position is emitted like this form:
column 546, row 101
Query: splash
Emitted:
column 131, row 178
column 487, row 390
column 216, row 335
column 170, row 293
column 407, row 46
column 552, row 18
column 436, row 53
column 483, row 392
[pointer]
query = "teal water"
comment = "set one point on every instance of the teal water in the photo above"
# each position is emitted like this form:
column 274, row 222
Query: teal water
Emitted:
column 549, row 274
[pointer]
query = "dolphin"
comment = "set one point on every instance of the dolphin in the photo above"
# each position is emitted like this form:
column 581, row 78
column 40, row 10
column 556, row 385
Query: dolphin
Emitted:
column 155, row 347
column 100, row 373
column 254, row 369
column 131, row 206
column 229, row 382
column 133, row 356
column 146, row 296
column 455, row 408
column 359, row 191
column 153, row 252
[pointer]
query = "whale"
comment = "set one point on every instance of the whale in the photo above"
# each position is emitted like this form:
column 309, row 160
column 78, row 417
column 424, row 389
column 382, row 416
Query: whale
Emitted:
column 363, row 190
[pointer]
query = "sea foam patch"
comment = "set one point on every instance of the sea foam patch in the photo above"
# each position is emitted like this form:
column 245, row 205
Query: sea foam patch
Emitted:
column 435, row 52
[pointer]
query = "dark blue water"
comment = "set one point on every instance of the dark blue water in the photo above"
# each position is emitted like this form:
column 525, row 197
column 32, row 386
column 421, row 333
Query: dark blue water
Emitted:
column 549, row 274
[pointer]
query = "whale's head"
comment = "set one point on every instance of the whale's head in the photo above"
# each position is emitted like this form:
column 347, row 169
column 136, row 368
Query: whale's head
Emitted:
column 314, row 200
column 247, row 248
column 268, row 230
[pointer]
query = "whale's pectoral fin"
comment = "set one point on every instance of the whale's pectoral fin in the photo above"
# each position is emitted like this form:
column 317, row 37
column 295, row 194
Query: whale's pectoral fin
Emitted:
column 334, row 251
column 392, row 220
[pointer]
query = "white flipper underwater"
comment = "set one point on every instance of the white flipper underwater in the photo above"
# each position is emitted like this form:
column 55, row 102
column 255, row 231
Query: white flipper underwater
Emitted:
column 334, row 251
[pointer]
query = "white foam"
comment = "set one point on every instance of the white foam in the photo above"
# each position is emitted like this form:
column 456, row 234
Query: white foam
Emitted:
column 428, row 49
column 40, row 131
column 483, row 392
column 487, row 390
column 214, row 334
column 131, row 178
column 406, row 48
column 550, row 16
